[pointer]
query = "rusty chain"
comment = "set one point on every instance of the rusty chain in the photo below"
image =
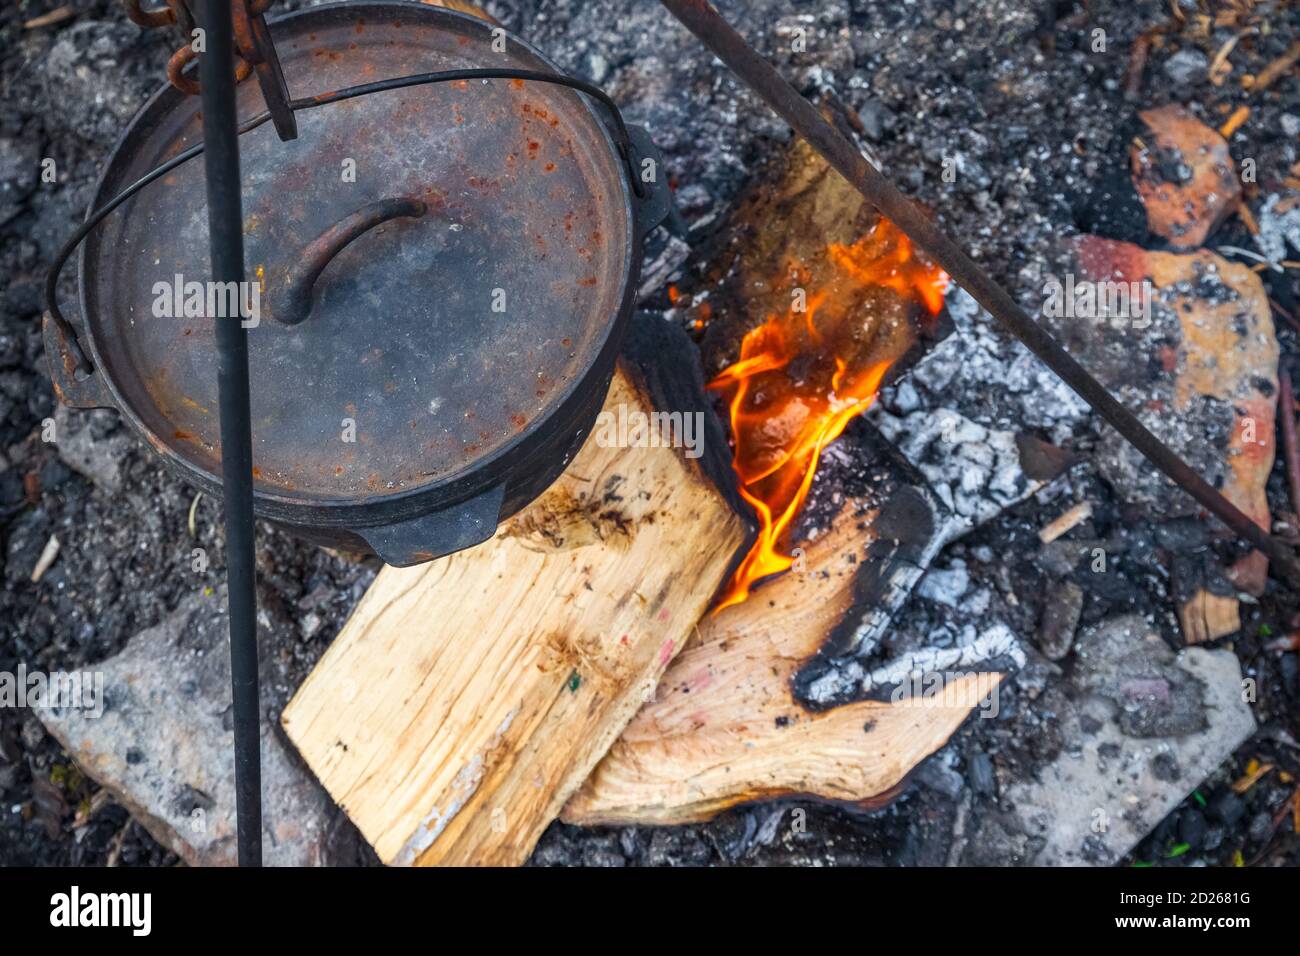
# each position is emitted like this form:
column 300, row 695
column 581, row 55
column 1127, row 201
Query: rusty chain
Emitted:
column 177, row 14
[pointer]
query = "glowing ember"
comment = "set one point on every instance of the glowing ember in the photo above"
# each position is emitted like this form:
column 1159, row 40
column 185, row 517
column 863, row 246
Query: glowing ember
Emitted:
column 804, row 375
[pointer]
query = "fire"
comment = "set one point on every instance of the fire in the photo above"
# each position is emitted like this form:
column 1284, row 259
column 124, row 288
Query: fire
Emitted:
column 803, row 376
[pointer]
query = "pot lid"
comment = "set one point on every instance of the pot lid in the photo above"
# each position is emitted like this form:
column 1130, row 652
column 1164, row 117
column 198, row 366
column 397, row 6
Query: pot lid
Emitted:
column 431, row 342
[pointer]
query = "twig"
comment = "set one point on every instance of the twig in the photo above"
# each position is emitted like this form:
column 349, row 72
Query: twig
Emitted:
column 1295, row 323
column 1278, row 817
column 64, row 12
column 1270, row 74
column 1247, row 217
column 101, row 799
column 1216, row 71
column 1234, row 122
column 1238, row 251
column 1070, row 519
column 48, row 554
column 1255, row 772
column 189, row 523
column 1286, row 412
column 115, row 845
column 1137, row 60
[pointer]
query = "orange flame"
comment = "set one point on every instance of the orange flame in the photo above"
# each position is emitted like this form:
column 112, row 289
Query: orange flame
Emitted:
column 802, row 377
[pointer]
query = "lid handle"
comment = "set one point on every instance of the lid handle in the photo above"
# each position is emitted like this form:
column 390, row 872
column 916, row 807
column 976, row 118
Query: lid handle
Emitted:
column 291, row 292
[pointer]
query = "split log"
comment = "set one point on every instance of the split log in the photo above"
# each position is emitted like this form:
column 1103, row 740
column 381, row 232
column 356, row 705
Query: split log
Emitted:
column 1205, row 597
column 731, row 722
column 802, row 239
column 1207, row 616
column 466, row 699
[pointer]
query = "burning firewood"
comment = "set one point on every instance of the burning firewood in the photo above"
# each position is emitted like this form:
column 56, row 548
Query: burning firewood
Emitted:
column 823, row 309
column 820, row 310
column 808, row 320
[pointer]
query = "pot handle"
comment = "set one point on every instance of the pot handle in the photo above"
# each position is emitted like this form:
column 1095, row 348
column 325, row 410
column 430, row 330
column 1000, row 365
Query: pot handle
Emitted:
column 421, row 539
column 64, row 365
column 291, row 290
column 656, row 206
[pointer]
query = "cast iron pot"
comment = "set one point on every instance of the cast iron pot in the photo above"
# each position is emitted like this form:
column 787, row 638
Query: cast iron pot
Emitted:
column 445, row 275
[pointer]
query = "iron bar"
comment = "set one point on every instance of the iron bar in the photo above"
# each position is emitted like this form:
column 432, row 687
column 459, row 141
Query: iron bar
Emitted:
column 731, row 48
column 226, row 243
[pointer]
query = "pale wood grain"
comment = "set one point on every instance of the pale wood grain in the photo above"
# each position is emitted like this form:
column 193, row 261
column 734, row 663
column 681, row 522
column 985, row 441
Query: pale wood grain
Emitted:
column 466, row 699
column 725, row 727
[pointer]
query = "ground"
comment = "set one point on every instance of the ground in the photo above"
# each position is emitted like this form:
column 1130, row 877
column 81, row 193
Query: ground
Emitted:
column 1015, row 91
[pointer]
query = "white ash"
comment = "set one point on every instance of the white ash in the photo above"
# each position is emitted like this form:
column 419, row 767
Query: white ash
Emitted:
column 765, row 833
column 997, row 643
column 975, row 471
column 946, row 586
column 996, row 647
column 655, row 274
column 1278, row 229
column 955, row 416
column 987, row 377
column 905, row 397
column 978, row 603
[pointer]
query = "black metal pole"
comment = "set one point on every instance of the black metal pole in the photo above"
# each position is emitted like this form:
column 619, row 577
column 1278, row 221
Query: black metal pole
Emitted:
column 730, row 47
column 226, row 242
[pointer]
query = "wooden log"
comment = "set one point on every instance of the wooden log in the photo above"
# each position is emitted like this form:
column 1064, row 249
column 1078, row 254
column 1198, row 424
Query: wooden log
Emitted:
column 1205, row 597
column 1207, row 616
column 800, row 239
column 731, row 721
column 466, row 699
column 730, row 724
